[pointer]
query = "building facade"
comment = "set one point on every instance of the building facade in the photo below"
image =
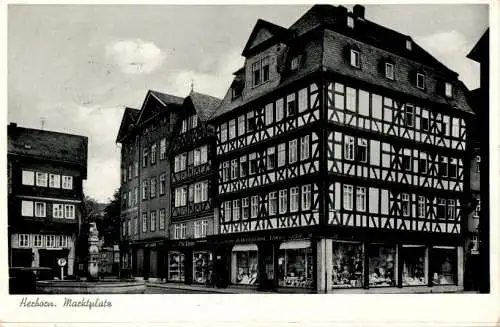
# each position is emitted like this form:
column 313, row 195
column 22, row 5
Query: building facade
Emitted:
column 343, row 161
column 45, row 174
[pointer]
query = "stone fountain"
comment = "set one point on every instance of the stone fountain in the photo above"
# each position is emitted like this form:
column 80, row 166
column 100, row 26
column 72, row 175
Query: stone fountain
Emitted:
column 93, row 265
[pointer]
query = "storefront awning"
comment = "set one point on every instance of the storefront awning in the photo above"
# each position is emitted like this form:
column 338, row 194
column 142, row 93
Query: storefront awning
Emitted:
column 295, row 245
column 245, row 247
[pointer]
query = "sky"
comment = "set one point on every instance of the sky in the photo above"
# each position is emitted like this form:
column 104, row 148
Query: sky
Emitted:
column 76, row 67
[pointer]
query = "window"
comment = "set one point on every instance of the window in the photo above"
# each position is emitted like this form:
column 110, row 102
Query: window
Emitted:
column 271, row 158
column 306, row 197
column 406, row 163
column 67, row 182
column 348, row 197
column 54, row 181
column 477, row 210
column 389, row 70
column 443, row 166
column 136, row 169
column 194, row 121
column 223, row 132
column 62, row 241
column 184, row 126
column 478, row 164
column 145, row 158
column 144, row 189
column 227, row 211
column 153, row 187
column 422, row 165
column 409, row 115
column 163, row 183
column 362, row 150
column 355, row 58
column 27, row 208
column 236, row 210
column 161, row 219
column 204, row 228
column 269, row 113
column 153, row 154
column 443, row 266
column 304, row 147
column 347, row 265
column 294, row 63
column 69, row 211
column 382, row 265
column 292, row 151
column 424, row 124
column 294, row 199
column 420, row 81
column 448, row 90
column 241, row 125
column 24, row 241
column 37, row 241
column 451, row 210
column 152, row 221
column 441, row 209
column 452, row 168
column 351, row 99
column 41, row 179
column 163, row 148
column 129, row 172
column 200, row 192
column 243, row 166
column 197, row 229
column 281, row 154
column 245, row 208
column 252, row 123
column 225, row 171
column 349, row 148
column 360, row 198
column 273, row 203
column 405, row 204
column 291, row 105
column 260, row 71
column 234, row 169
column 414, row 263
column 350, row 22
column 177, row 163
column 283, row 201
column 28, row 177
column 50, row 241
column 180, row 196
column 176, row 264
column 58, row 210
column 253, row 163
column 408, row 45
column 421, row 207
column 254, row 206
column 144, row 222
column 279, row 110
column 40, row 209
column 232, row 129
column 295, row 266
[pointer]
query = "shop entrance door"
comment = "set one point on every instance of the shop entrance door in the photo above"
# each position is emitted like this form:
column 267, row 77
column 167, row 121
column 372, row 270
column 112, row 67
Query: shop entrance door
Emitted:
column 48, row 258
column 266, row 266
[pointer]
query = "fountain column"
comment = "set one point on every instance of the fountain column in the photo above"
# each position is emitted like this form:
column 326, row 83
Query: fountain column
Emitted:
column 93, row 266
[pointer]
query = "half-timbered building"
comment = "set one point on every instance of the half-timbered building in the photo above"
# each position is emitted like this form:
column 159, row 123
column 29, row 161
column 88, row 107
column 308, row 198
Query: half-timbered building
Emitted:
column 342, row 160
column 145, row 136
column 193, row 186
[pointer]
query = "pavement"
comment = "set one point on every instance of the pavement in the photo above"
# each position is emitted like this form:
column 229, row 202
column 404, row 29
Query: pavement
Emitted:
column 175, row 288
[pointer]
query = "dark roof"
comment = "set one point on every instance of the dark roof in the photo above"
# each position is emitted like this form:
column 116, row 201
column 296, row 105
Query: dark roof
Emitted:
column 205, row 105
column 47, row 145
column 480, row 51
column 130, row 116
column 474, row 97
column 275, row 30
column 324, row 52
column 167, row 98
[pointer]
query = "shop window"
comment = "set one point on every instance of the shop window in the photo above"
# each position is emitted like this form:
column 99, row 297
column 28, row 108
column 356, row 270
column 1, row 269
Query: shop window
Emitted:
column 347, row 265
column 176, row 266
column 444, row 266
column 414, row 273
column 295, row 265
column 382, row 260
column 246, row 265
column 200, row 266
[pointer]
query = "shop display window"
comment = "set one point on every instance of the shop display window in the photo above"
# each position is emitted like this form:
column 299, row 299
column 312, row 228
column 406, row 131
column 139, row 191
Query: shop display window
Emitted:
column 347, row 265
column 414, row 266
column 382, row 261
column 444, row 266
column 246, row 267
column 295, row 268
column 200, row 266
column 176, row 266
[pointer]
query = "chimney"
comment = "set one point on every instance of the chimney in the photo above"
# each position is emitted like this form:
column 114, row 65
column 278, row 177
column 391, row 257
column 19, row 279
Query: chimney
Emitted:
column 359, row 11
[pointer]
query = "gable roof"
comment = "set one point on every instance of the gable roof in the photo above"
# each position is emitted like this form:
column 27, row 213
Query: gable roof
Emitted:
column 480, row 50
column 163, row 99
column 48, row 145
column 129, row 118
column 204, row 105
column 274, row 30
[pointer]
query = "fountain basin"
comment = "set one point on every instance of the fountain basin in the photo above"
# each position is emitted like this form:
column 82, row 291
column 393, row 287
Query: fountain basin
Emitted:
column 90, row 287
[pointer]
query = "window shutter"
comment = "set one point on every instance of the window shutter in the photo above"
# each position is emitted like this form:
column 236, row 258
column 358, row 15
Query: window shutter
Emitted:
column 381, row 66
column 347, row 54
column 412, row 75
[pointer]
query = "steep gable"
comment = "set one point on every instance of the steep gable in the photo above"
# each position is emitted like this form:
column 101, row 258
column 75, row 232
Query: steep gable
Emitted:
column 262, row 34
column 154, row 103
column 128, row 120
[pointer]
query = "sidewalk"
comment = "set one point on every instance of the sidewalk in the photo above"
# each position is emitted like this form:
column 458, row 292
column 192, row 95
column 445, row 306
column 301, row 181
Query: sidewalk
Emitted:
column 205, row 289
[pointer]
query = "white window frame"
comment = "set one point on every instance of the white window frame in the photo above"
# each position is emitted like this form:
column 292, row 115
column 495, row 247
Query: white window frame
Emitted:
column 27, row 208
column 54, row 181
column 152, row 220
column 448, row 90
column 232, row 129
column 236, row 210
column 451, row 209
column 161, row 218
column 163, row 148
column 41, row 179
column 245, row 208
column 281, row 154
column 69, row 211
column 50, row 241
column 23, row 240
column 183, row 231
column 306, row 197
column 348, row 197
column 152, row 188
column 28, row 177
column 204, row 228
column 292, row 151
column 162, row 185
column 234, row 169
column 271, row 163
column 254, row 206
column 38, row 240
column 355, row 58
column 294, row 199
column 197, row 229
column 304, row 147
column 405, row 199
column 389, row 70
column 422, row 206
column 360, row 199
column 272, row 203
column 349, row 147
column 420, row 81
column 144, row 222
column 227, row 211
column 42, row 213
column 67, row 182
column 283, row 201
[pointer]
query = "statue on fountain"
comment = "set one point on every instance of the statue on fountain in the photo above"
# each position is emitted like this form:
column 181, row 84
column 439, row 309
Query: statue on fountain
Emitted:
column 93, row 265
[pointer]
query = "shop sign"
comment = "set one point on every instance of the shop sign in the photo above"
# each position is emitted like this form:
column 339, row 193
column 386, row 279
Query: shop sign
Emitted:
column 254, row 239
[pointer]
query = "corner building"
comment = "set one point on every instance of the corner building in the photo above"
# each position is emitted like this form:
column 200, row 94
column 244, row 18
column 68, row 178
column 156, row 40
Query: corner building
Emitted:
column 342, row 161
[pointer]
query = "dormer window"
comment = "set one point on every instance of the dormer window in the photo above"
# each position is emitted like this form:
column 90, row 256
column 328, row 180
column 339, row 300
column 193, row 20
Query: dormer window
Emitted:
column 389, row 70
column 420, row 81
column 448, row 90
column 408, row 45
column 350, row 22
column 355, row 58
column 260, row 71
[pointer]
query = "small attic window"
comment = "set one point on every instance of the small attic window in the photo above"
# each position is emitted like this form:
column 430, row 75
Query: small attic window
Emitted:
column 408, row 45
column 350, row 22
column 448, row 90
column 27, row 146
